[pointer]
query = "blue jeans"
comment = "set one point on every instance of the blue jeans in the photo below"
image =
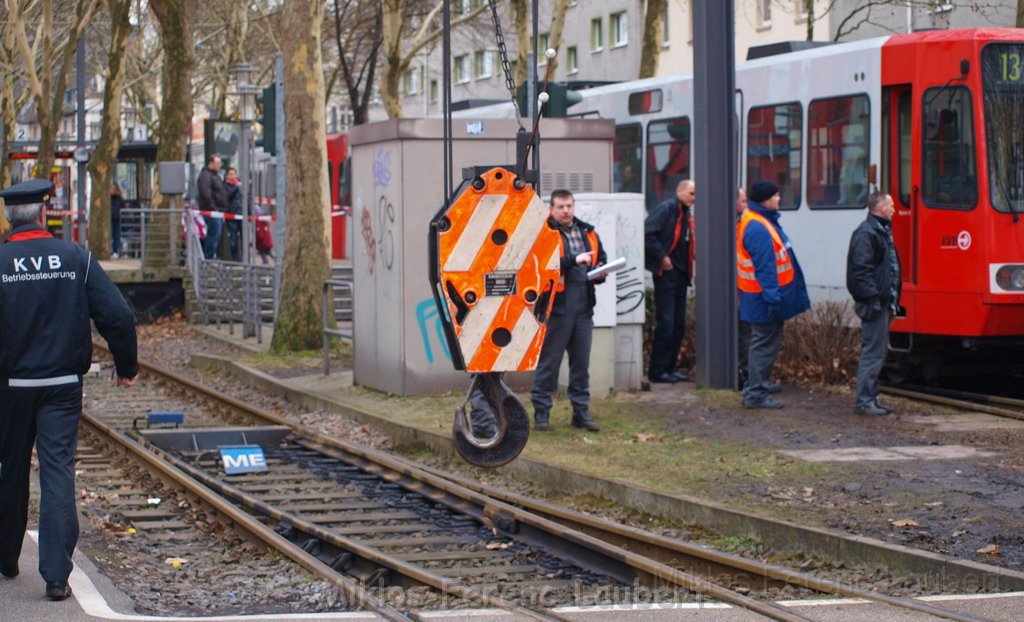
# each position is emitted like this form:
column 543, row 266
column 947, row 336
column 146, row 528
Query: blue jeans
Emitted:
column 211, row 244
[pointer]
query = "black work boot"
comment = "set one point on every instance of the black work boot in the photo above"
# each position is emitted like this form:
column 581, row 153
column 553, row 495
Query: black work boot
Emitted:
column 10, row 571
column 57, row 590
column 582, row 419
column 540, row 420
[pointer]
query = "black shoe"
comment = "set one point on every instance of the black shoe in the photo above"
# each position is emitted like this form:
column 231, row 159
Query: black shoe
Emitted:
column 774, row 388
column 680, row 377
column 585, row 421
column 883, row 407
column 870, row 411
column 540, row 421
column 767, row 402
column 57, row 590
column 9, row 571
column 664, row 378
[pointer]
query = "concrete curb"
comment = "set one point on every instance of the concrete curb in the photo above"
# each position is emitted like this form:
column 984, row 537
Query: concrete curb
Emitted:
column 928, row 568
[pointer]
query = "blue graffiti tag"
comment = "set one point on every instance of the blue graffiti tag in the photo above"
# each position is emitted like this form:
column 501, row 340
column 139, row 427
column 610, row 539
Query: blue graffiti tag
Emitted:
column 426, row 311
column 382, row 168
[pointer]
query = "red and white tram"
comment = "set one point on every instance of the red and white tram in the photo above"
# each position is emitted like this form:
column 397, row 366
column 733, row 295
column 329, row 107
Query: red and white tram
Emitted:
column 934, row 118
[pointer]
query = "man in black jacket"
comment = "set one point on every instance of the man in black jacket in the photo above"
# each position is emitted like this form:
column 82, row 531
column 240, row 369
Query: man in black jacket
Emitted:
column 212, row 197
column 49, row 290
column 571, row 324
column 873, row 278
column 668, row 242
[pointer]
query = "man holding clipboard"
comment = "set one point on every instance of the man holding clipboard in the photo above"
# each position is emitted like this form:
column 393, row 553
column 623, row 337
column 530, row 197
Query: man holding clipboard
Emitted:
column 571, row 325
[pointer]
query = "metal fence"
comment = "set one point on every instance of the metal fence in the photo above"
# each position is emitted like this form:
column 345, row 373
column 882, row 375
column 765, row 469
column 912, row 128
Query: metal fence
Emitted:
column 139, row 240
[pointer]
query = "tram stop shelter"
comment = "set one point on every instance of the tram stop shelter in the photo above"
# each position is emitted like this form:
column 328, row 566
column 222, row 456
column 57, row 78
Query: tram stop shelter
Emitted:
column 397, row 189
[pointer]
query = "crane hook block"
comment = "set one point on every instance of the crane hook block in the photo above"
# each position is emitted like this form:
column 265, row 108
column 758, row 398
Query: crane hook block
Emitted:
column 494, row 267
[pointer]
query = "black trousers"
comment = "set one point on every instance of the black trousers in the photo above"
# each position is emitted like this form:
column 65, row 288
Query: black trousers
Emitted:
column 572, row 333
column 669, row 322
column 47, row 418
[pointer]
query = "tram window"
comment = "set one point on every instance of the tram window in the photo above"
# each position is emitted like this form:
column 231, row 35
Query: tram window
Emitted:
column 643, row 102
column 904, row 121
column 837, row 160
column 127, row 177
column 775, row 147
column 330, row 180
column 668, row 158
column 950, row 176
column 345, row 177
column 1003, row 80
column 626, row 165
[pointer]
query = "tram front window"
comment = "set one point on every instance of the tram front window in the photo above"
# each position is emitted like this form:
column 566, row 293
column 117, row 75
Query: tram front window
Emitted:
column 1003, row 81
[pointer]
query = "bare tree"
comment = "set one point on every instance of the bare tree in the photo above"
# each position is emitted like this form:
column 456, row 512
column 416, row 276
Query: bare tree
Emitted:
column 653, row 35
column 861, row 14
column 56, row 52
column 520, row 10
column 399, row 50
column 555, row 34
column 101, row 165
column 176, row 24
column 358, row 35
column 306, row 259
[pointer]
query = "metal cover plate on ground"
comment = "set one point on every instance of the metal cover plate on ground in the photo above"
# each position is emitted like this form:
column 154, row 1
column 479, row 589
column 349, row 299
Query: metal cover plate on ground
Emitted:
column 857, row 454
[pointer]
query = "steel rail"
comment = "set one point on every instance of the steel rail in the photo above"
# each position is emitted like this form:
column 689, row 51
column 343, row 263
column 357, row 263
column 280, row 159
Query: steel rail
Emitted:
column 665, row 548
column 944, row 397
column 354, row 593
column 373, row 461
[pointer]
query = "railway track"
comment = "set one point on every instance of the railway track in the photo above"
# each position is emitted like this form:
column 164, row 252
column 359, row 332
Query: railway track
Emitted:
column 990, row 404
column 374, row 524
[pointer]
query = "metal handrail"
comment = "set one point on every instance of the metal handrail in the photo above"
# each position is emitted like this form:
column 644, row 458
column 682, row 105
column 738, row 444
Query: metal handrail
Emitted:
column 328, row 307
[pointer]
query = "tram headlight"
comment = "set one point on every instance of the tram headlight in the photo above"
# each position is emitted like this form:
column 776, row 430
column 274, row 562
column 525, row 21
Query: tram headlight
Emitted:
column 1010, row 278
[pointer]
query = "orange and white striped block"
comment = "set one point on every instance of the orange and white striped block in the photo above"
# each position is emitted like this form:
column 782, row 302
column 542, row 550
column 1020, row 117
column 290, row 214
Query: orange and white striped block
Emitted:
column 499, row 265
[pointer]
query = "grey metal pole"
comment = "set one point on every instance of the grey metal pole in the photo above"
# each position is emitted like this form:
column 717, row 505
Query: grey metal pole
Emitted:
column 80, row 122
column 248, row 293
column 532, row 93
column 715, row 217
column 281, row 195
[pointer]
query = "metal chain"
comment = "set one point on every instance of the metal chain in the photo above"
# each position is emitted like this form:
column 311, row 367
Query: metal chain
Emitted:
column 505, row 66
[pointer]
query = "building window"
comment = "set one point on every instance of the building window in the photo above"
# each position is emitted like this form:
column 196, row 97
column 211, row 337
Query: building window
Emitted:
column 774, row 148
column 668, row 158
column 618, row 25
column 665, row 40
column 483, row 64
column 433, row 91
column 837, row 159
column 461, row 69
column 572, row 60
column 411, row 81
column 596, row 34
column 764, row 13
column 800, row 11
column 543, row 40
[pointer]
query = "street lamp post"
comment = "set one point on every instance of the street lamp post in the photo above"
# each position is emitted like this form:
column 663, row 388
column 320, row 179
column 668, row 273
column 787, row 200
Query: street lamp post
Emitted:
column 129, row 124
column 246, row 93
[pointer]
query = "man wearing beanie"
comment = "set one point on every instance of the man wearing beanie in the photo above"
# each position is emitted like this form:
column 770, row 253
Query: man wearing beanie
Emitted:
column 771, row 284
column 668, row 239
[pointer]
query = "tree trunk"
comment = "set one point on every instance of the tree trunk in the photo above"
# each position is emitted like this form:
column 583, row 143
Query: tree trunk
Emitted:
column 306, row 262
column 521, row 10
column 176, row 18
column 391, row 29
column 654, row 29
column 101, row 165
column 810, row 19
column 555, row 35
column 1020, row 14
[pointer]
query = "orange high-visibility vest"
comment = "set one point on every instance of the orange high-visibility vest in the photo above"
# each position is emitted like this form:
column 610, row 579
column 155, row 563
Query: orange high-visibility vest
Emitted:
column 594, row 251
column 745, row 266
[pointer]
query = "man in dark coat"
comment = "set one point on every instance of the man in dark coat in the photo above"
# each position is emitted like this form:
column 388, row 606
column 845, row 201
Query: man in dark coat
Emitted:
column 771, row 284
column 873, row 279
column 669, row 250
column 571, row 325
column 212, row 197
column 49, row 290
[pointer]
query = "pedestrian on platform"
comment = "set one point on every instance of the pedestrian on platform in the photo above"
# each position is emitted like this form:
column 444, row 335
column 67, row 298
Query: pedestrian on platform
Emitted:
column 264, row 238
column 873, row 279
column 49, row 291
column 668, row 239
column 743, row 328
column 116, row 205
column 234, row 189
column 771, row 284
column 213, row 197
column 571, row 325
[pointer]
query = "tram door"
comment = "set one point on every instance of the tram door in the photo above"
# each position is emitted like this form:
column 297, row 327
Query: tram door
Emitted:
column 897, row 165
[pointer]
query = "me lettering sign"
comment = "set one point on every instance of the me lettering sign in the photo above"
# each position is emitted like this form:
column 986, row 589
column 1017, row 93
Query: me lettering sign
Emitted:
column 242, row 459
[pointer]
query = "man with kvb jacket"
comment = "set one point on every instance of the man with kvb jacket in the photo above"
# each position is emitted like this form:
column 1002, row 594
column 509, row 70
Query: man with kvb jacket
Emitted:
column 571, row 324
column 668, row 240
column 873, row 278
column 771, row 284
